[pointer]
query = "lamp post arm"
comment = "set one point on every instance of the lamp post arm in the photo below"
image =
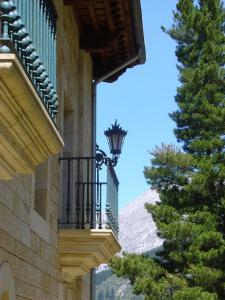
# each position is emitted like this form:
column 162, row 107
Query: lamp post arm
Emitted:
column 102, row 158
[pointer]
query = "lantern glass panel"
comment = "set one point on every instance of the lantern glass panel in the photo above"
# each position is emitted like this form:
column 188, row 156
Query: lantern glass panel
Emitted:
column 115, row 136
column 110, row 142
column 116, row 144
column 120, row 141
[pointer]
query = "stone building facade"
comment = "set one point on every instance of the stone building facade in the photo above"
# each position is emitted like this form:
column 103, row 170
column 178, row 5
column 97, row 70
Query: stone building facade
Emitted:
column 38, row 258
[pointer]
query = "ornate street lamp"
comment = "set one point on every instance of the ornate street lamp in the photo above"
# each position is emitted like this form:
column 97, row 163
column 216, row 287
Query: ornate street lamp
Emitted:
column 115, row 136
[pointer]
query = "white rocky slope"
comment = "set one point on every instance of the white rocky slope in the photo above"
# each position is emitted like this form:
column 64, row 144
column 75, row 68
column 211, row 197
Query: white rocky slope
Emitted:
column 137, row 230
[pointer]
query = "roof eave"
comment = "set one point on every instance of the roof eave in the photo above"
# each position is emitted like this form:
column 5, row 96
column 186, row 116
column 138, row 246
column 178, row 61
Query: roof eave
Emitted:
column 138, row 28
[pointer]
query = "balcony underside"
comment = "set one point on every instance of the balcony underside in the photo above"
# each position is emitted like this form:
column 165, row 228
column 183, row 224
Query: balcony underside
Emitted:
column 28, row 136
column 82, row 250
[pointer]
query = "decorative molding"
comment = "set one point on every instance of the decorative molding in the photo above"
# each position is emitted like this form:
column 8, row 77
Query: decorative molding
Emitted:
column 28, row 136
column 83, row 249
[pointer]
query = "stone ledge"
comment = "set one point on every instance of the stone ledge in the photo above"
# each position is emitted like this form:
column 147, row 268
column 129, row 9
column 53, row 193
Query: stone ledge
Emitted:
column 39, row 225
column 83, row 249
column 28, row 136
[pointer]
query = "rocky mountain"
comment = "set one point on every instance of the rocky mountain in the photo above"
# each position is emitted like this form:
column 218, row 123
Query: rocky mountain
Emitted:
column 114, row 288
column 137, row 235
column 137, row 229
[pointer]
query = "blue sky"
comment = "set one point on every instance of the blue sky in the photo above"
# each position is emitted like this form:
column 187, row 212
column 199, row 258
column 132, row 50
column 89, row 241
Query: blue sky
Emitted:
column 141, row 100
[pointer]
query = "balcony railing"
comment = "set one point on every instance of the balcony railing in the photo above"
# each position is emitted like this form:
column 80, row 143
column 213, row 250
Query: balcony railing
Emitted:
column 28, row 29
column 112, row 198
column 84, row 199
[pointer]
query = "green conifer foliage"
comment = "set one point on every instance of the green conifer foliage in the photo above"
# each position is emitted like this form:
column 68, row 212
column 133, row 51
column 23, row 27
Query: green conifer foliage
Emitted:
column 191, row 182
column 199, row 33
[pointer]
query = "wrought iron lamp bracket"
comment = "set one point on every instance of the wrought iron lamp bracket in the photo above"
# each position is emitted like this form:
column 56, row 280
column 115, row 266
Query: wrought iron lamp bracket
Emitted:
column 102, row 158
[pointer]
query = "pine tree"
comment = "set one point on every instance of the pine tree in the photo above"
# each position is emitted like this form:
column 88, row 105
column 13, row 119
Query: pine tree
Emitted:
column 191, row 182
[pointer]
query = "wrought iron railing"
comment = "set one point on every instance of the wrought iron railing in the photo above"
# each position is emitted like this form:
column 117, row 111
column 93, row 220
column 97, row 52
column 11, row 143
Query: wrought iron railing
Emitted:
column 83, row 198
column 112, row 198
column 28, row 29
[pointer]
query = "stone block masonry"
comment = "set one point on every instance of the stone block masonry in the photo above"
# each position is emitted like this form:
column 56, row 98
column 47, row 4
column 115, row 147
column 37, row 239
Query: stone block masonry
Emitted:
column 28, row 240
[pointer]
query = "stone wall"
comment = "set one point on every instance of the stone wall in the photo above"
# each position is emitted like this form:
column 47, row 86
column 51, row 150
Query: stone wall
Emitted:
column 28, row 230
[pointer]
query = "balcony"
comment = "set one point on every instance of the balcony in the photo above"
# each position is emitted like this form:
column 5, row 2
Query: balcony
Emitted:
column 88, row 226
column 28, row 101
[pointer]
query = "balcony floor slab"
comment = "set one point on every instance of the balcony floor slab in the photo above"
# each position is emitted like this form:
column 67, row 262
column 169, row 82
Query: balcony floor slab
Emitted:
column 83, row 249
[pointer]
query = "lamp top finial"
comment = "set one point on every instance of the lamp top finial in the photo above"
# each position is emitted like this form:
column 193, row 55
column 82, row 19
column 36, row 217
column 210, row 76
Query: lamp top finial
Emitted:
column 115, row 129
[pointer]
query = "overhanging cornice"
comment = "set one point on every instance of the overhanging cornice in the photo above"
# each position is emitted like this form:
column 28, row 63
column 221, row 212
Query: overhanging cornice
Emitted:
column 111, row 31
